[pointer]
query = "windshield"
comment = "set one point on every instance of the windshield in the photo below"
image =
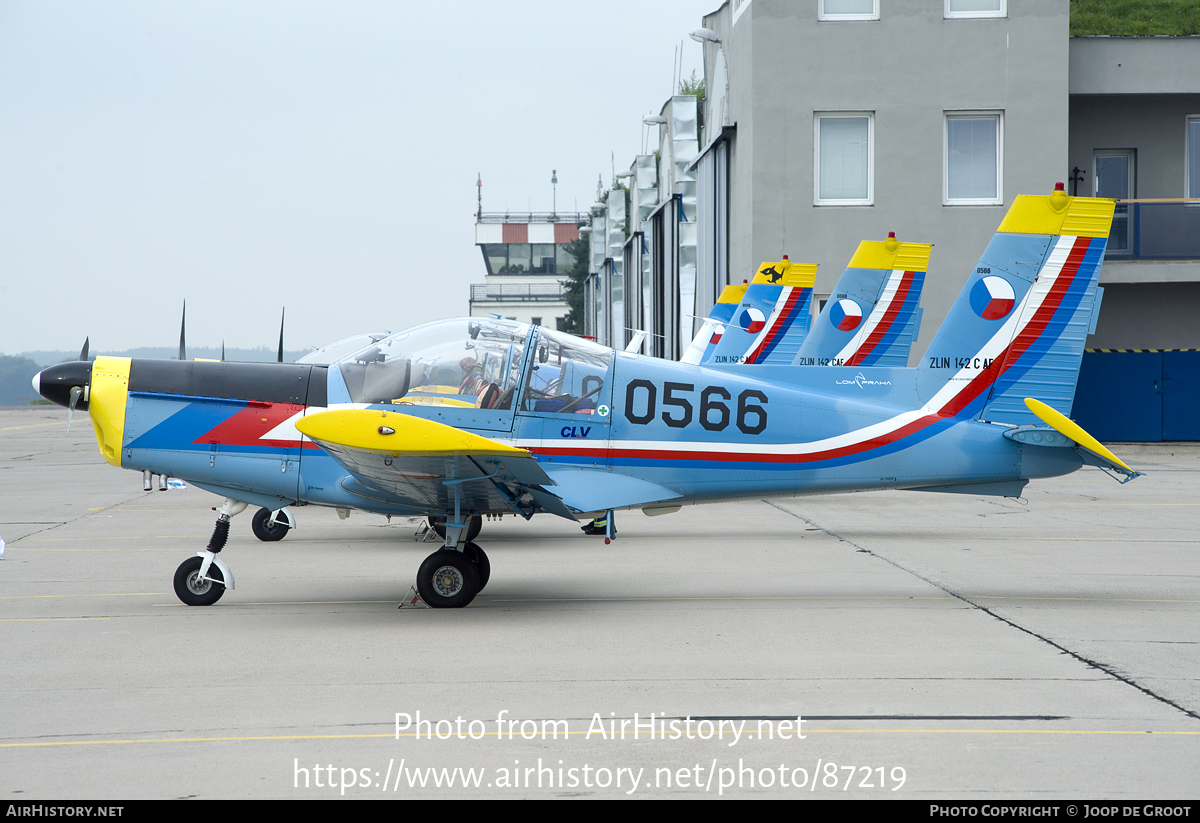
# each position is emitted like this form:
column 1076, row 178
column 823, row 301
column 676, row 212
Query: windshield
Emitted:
column 467, row 363
column 567, row 375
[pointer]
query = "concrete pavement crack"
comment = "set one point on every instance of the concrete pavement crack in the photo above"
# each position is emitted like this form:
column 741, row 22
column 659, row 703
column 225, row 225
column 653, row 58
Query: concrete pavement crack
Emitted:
column 1095, row 664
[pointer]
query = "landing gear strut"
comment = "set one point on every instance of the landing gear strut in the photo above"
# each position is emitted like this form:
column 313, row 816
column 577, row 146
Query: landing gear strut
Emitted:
column 452, row 576
column 201, row 580
column 474, row 526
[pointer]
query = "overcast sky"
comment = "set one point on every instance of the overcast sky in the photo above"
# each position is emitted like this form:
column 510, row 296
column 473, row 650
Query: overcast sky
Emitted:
column 321, row 156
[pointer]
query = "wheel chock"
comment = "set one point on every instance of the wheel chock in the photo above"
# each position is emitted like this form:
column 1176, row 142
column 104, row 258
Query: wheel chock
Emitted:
column 413, row 600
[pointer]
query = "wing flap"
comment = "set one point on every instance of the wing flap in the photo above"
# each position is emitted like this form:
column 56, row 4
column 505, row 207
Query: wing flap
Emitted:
column 586, row 490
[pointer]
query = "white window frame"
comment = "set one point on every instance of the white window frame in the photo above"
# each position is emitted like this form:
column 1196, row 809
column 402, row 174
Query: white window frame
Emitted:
column 973, row 15
column 998, row 200
column 1187, row 156
column 831, row 115
column 823, row 15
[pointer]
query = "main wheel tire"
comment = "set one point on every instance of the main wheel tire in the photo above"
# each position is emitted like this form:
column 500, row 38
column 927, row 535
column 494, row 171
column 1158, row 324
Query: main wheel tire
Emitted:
column 196, row 592
column 482, row 564
column 474, row 526
column 263, row 529
column 448, row 580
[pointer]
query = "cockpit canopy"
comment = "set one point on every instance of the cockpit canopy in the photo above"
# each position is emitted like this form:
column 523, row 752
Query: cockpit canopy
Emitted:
column 479, row 363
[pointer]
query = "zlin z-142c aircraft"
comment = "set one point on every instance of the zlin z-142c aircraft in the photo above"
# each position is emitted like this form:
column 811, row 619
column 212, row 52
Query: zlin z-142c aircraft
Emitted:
column 459, row 419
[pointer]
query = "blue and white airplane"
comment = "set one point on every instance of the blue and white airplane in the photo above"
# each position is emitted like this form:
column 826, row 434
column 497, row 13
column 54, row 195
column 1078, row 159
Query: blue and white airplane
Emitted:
column 458, row 419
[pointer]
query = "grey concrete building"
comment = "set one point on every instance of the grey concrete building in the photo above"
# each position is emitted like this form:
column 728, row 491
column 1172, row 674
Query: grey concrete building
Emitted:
column 828, row 122
column 831, row 121
column 1135, row 136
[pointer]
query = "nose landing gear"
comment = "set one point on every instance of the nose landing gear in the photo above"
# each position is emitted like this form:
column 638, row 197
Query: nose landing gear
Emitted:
column 201, row 580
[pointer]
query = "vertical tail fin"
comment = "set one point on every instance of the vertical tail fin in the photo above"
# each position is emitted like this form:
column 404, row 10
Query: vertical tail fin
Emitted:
column 701, row 348
column 1017, row 328
column 772, row 318
column 872, row 314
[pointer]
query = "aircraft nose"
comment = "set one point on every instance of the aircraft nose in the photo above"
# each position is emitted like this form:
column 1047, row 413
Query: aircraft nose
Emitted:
column 55, row 383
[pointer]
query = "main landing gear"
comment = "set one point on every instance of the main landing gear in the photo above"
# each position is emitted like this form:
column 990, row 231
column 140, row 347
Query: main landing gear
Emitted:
column 450, row 579
column 201, row 580
column 270, row 526
column 452, row 576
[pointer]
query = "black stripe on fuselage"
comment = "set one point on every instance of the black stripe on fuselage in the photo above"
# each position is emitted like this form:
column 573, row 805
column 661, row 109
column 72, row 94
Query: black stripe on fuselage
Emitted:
column 269, row 382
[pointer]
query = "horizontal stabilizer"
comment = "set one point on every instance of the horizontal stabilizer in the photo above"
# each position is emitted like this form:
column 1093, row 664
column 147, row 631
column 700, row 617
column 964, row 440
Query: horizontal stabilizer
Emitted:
column 1100, row 456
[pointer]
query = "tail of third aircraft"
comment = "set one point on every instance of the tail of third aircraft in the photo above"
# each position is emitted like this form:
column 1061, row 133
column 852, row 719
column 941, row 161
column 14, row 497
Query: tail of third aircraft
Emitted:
column 1017, row 329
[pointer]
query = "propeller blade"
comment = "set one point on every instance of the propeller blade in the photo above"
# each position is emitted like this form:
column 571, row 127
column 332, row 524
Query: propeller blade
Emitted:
column 76, row 393
column 83, row 355
column 222, row 351
column 281, row 316
column 182, row 326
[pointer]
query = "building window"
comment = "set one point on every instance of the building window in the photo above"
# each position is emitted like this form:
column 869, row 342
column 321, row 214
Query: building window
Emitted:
column 843, row 165
column 974, row 150
column 975, row 8
column 1193, row 156
column 1114, row 173
column 848, row 10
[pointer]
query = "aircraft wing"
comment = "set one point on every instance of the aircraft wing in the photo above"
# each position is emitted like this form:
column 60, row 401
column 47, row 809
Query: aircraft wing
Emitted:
column 418, row 462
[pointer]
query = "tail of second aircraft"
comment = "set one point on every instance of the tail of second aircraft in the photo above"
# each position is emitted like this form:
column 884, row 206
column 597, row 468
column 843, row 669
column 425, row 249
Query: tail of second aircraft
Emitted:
column 873, row 312
column 1018, row 327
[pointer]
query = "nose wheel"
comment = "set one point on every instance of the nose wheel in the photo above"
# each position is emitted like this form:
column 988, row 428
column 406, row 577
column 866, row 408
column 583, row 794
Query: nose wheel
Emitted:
column 194, row 589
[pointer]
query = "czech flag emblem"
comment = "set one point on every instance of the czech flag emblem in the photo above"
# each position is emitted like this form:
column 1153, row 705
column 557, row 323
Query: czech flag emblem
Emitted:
column 845, row 315
column 992, row 297
column 752, row 320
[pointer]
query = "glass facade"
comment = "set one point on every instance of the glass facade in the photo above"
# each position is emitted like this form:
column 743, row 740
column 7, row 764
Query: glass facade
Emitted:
column 527, row 258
